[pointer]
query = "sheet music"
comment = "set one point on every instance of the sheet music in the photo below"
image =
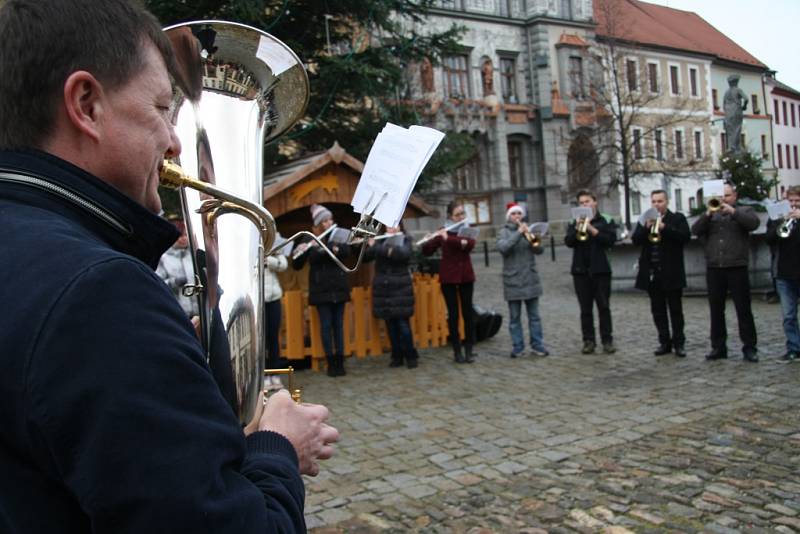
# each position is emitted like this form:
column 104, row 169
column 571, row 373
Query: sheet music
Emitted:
column 468, row 232
column 582, row 212
column 713, row 188
column 539, row 228
column 393, row 167
column 778, row 210
column 648, row 215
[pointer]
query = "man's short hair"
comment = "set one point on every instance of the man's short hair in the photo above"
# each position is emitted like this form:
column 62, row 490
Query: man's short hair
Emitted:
column 659, row 192
column 585, row 193
column 793, row 190
column 44, row 41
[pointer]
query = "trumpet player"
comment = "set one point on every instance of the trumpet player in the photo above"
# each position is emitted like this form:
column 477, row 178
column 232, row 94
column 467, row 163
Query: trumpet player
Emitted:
column 661, row 271
column 521, row 283
column 112, row 420
column 591, row 271
column 725, row 232
column 784, row 235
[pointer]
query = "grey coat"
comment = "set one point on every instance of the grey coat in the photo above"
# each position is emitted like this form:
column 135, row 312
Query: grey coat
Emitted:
column 726, row 237
column 520, row 279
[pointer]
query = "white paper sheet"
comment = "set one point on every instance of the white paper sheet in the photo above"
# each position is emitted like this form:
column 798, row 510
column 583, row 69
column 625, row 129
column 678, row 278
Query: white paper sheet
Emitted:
column 713, row 188
column 393, row 167
column 778, row 210
column 582, row 212
column 650, row 214
column 539, row 228
column 469, row 233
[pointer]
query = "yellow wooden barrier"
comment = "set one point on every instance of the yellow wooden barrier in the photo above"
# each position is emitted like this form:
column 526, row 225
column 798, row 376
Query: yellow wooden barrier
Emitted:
column 364, row 335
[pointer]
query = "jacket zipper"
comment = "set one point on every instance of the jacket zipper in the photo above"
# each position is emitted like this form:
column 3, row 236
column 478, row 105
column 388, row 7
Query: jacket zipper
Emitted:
column 62, row 192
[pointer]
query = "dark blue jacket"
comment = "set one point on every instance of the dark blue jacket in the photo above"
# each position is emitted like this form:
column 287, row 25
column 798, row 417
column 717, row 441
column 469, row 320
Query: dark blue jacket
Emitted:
column 110, row 418
column 392, row 285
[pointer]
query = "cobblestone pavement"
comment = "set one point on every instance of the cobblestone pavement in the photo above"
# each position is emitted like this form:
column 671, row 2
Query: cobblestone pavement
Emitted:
column 617, row 443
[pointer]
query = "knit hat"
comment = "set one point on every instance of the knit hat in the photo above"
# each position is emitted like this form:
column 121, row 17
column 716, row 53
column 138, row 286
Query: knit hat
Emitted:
column 513, row 207
column 319, row 213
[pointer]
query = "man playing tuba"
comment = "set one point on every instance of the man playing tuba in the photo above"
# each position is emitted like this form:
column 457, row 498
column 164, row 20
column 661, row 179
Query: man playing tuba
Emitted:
column 112, row 419
column 661, row 271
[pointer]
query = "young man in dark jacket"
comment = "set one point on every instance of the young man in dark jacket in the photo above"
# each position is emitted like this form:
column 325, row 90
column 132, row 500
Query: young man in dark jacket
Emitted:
column 112, row 421
column 784, row 234
column 591, row 272
column 726, row 234
column 661, row 271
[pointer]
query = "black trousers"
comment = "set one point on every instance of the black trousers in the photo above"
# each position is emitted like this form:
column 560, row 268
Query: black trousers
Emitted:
column 737, row 281
column 667, row 307
column 591, row 290
column 452, row 294
column 272, row 325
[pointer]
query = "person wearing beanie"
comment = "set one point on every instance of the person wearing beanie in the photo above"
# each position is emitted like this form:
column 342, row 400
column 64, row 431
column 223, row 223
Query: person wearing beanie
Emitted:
column 457, row 279
column 328, row 288
column 521, row 284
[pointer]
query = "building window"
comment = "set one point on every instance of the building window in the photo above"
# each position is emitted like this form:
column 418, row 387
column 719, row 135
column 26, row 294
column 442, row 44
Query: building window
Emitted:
column 763, row 147
column 692, row 203
column 575, row 74
column 468, row 177
column 714, row 99
column 785, row 115
column 456, row 74
column 724, row 142
column 659, row 142
column 698, row 144
column 515, row 165
column 508, row 79
column 777, row 116
column 794, row 152
column 754, row 100
column 693, row 81
column 743, row 142
column 637, row 144
column 674, row 81
column 678, row 200
column 652, row 76
column 780, row 156
column 678, row 144
column 630, row 70
column 793, row 116
column 788, row 158
column 636, row 203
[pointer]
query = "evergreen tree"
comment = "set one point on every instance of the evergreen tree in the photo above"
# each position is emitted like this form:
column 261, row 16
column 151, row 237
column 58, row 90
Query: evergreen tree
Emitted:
column 744, row 171
column 356, row 53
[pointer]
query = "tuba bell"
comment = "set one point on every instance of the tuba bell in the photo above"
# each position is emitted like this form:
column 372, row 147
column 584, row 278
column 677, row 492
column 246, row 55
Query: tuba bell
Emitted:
column 235, row 88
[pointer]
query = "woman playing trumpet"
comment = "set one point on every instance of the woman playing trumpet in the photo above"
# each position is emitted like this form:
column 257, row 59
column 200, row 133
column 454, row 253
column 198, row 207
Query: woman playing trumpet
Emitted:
column 521, row 281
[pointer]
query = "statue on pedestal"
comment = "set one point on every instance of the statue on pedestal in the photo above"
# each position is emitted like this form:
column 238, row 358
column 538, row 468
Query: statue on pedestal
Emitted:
column 734, row 103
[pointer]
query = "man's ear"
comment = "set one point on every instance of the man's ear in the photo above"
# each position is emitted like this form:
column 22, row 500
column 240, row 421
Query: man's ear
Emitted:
column 84, row 103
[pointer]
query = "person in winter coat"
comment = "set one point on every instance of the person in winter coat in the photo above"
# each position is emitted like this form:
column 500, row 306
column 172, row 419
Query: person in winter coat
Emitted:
column 272, row 312
column 726, row 237
column 112, row 420
column 662, row 274
column 591, row 273
column 328, row 288
column 457, row 280
column 521, row 283
column 176, row 269
column 393, row 293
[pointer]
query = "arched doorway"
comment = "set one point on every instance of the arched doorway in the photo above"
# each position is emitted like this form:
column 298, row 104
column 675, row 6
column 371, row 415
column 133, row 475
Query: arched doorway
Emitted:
column 582, row 164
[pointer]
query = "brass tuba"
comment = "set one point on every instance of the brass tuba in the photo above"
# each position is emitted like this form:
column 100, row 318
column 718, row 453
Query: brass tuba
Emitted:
column 235, row 88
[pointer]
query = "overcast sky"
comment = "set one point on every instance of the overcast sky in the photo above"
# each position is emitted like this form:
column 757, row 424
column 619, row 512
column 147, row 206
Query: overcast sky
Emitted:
column 768, row 29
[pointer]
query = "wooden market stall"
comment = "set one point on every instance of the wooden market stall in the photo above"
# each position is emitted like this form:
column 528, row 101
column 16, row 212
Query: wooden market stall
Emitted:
column 331, row 178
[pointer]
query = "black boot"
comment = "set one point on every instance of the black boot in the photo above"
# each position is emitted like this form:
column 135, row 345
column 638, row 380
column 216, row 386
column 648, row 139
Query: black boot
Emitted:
column 457, row 355
column 469, row 356
column 340, row 365
column 331, row 360
column 397, row 359
column 663, row 348
column 412, row 359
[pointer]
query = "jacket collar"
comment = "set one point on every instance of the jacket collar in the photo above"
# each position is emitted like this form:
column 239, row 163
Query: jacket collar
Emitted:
column 141, row 233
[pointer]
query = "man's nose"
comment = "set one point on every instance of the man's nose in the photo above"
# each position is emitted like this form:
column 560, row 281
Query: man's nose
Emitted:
column 174, row 148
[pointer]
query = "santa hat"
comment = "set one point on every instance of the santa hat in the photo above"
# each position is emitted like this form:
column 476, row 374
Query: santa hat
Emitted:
column 320, row 213
column 513, row 207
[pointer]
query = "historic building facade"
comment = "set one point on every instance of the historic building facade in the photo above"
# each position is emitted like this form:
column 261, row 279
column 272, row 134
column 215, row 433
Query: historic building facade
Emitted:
column 533, row 87
column 785, row 110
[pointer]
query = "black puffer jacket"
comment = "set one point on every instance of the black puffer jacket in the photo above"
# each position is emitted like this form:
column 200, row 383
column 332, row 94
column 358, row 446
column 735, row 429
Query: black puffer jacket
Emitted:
column 392, row 288
column 327, row 283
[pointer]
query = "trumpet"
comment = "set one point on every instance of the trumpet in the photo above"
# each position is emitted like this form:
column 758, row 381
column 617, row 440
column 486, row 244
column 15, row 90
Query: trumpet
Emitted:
column 582, row 229
column 534, row 239
column 446, row 229
column 786, row 228
column 655, row 234
column 714, row 204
